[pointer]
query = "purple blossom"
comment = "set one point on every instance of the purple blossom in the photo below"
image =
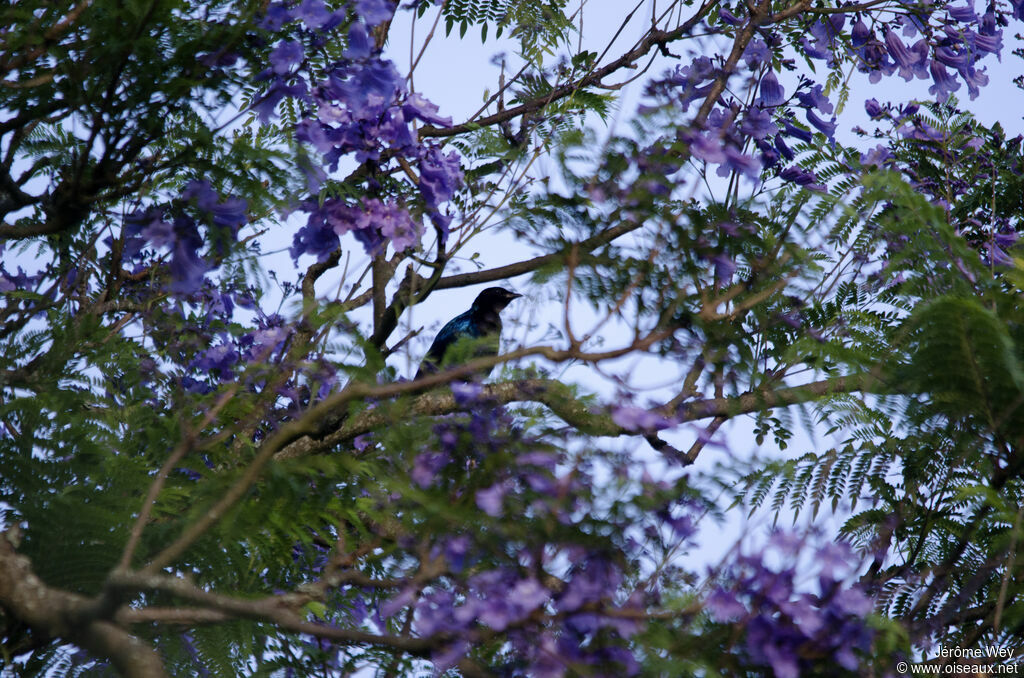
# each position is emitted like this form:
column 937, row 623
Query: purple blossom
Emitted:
column 921, row 131
column 417, row 106
column 965, row 14
column 525, row 596
column 828, row 128
column 374, row 12
column 194, row 386
column 181, row 236
column 769, row 155
column 975, row 79
column 728, row 17
column 158, row 231
column 318, row 135
column 875, row 61
column 187, row 268
column 220, row 359
column 440, row 176
column 683, row 526
column 945, row 83
column 373, row 223
column 455, row 551
column 985, row 43
column 316, row 238
column 1008, row 239
column 497, row 598
column 367, row 91
column 860, row 35
column 815, row 50
column 264, row 341
column 401, row 600
column 491, row 500
column 836, row 560
column 359, row 45
column 757, row 123
column 706, row 148
column 230, row 213
column 814, row 98
column 797, row 132
column 725, row 266
column 278, row 14
column 757, row 53
column 466, row 393
column 426, row 466
column 997, row 256
column 313, row 13
column 801, row 177
column 395, row 224
column 634, row 418
column 853, row 601
column 772, row 93
column 876, row 156
column 952, row 58
column 699, row 70
column 874, row 109
column 288, row 53
column 278, row 90
column 783, row 149
column 911, row 61
column 826, row 30
column 795, row 633
column 911, row 25
column 740, row 163
column 594, row 579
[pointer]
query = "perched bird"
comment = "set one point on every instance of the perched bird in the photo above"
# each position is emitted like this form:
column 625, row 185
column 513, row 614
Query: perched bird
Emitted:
column 472, row 334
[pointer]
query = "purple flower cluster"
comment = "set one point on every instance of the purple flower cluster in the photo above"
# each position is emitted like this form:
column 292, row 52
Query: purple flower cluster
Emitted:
column 582, row 616
column 372, row 222
column 181, row 234
column 548, row 631
column 360, row 108
column 957, row 40
column 788, row 631
column 949, row 44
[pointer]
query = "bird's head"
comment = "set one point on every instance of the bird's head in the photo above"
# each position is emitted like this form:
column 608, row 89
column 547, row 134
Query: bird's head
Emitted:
column 494, row 298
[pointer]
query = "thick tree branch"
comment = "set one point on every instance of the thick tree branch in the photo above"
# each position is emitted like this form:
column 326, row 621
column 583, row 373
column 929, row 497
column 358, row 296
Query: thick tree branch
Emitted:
column 279, row 610
column 560, row 399
column 59, row 614
column 755, row 401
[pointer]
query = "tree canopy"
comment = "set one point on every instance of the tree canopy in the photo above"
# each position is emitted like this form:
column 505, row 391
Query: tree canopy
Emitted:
column 213, row 465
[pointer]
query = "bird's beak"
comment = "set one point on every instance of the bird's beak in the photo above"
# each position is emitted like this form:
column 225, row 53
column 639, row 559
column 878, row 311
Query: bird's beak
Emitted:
column 513, row 295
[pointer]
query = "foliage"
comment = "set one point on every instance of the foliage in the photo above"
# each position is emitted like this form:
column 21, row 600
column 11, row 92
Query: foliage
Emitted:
column 213, row 468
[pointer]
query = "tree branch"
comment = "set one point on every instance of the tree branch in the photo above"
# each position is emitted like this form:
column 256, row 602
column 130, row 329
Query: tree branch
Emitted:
column 59, row 614
column 653, row 39
column 279, row 610
column 560, row 399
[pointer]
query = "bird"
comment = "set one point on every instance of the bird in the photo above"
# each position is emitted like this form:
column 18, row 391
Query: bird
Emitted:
column 473, row 334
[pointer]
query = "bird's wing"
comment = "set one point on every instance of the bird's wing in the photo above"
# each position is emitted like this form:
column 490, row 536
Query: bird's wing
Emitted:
column 456, row 328
column 459, row 326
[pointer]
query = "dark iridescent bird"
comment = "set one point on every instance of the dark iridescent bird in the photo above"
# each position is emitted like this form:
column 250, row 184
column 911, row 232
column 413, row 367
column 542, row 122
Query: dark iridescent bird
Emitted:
column 479, row 328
